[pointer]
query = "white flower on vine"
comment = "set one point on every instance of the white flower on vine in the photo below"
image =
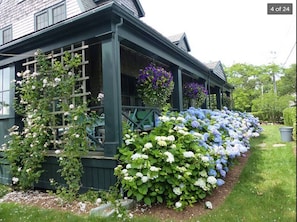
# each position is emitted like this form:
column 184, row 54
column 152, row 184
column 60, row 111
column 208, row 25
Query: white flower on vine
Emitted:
column 15, row 180
column 100, row 97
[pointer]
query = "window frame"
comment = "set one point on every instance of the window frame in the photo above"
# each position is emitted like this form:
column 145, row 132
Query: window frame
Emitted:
column 50, row 15
column 2, row 31
column 10, row 90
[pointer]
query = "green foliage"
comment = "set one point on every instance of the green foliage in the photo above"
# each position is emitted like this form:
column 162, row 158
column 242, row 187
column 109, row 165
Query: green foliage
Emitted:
column 4, row 190
column 251, row 82
column 289, row 116
column 178, row 161
column 268, row 177
column 26, row 150
column 269, row 107
column 162, row 148
column 287, row 83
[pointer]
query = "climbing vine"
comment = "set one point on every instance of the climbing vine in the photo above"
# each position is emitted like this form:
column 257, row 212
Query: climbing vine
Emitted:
column 53, row 85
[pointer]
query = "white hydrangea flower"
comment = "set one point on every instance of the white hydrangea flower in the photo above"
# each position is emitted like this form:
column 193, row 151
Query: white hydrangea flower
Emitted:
column 162, row 143
column 164, row 118
column 148, row 145
column 182, row 119
column 178, row 204
column 212, row 180
column 189, row 154
column 144, row 179
column 170, row 138
column 205, row 159
column 128, row 178
column 139, row 174
column 170, row 157
column 203, row 173
column 154, row 169
column 200, row 183
column 177, row 191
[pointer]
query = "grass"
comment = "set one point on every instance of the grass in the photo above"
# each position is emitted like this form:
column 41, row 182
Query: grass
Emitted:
column 266, row 190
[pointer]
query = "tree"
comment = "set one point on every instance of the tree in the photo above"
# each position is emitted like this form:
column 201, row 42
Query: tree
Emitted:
column 287, row 84
column 250, row 82
column 269, row 106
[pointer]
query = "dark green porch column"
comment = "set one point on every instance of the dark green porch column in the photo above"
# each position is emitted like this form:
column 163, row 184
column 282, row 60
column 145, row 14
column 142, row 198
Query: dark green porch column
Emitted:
column 177, row 94
column 112, row 95
column 219, row 98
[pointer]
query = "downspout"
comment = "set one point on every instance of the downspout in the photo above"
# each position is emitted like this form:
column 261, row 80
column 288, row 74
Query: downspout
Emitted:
column 117, row 26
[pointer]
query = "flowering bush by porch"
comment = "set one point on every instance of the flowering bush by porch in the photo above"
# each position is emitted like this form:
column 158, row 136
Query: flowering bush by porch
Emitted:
column 53, row 85
column 185, row 157
column 155, row 85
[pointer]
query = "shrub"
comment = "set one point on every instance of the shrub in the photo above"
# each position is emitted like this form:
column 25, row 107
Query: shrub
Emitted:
column 185, row 157
column 289, row 115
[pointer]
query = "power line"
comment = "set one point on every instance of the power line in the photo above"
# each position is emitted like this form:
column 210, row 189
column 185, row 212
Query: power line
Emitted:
column 289, row 54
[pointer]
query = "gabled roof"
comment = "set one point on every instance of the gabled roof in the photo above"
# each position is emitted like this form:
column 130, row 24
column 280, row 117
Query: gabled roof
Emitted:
column 87, row 4
column 181, row 41
column 217, row 69
column 124, row 3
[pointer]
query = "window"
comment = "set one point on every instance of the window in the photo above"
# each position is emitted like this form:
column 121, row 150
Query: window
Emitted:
column 5, row 95
column 59, row 13
column 5, row 35
column 50, row 16
column 42, row 20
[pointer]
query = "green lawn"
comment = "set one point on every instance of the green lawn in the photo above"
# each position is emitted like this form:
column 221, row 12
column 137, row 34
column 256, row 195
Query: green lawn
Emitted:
column 266, row 190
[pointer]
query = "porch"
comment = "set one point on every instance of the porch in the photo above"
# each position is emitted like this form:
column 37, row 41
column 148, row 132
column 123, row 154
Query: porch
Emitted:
column 112, row 51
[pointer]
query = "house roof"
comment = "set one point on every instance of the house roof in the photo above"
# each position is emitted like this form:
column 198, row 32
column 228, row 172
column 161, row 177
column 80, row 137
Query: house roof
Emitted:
column 136, row 3
column 181, row 41
column 87, row 4
column 217, row 69
column 131, row 30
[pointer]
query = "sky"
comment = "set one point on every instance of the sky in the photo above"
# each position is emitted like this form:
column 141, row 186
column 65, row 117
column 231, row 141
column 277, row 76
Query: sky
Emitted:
column 230, row 31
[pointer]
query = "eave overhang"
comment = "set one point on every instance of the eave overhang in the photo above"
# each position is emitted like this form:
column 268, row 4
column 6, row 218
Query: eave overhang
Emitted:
column 101, row 22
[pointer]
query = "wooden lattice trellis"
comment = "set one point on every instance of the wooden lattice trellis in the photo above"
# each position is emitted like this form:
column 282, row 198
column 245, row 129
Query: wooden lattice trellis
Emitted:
column 79, row 91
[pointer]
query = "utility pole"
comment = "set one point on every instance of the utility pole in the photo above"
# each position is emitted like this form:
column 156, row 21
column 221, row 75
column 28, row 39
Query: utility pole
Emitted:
column 273, row 55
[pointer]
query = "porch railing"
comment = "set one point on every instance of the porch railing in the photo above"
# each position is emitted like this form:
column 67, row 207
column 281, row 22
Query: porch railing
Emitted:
column 138, row 118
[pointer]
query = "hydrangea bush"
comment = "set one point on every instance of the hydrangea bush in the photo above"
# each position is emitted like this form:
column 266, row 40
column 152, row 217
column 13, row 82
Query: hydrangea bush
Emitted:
column 185, row 157
column 155, row 85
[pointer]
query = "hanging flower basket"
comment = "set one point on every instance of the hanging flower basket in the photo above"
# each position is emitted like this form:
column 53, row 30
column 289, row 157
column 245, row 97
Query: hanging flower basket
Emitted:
column 194, row 94
column 155, row 85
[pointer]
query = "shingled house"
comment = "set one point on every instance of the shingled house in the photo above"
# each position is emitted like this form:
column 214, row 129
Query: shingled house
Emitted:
column 114, row 44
